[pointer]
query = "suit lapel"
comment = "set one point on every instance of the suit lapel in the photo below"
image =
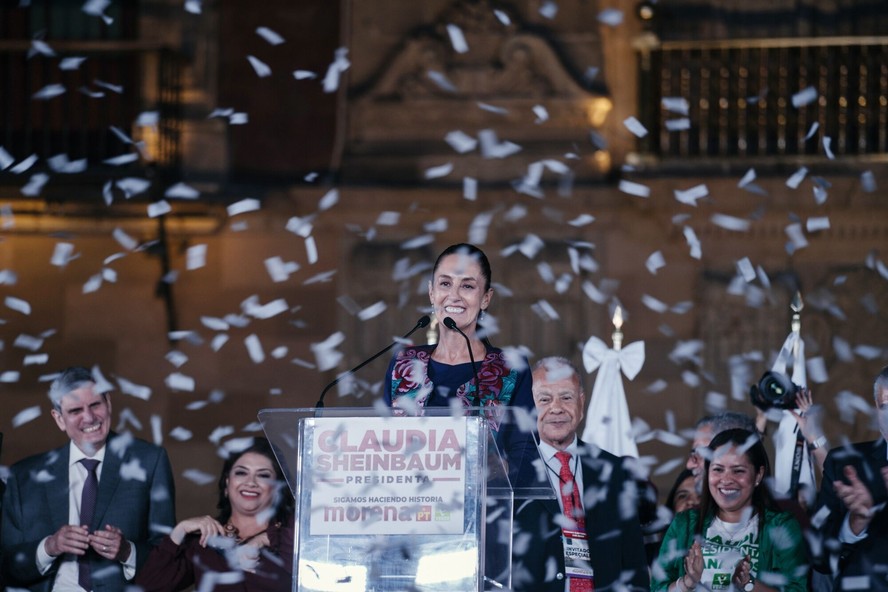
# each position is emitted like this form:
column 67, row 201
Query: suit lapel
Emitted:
column 57, row 494
column 108, row 484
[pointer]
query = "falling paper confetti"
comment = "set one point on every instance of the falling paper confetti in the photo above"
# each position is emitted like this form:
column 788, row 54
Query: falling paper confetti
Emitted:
column 272, row 37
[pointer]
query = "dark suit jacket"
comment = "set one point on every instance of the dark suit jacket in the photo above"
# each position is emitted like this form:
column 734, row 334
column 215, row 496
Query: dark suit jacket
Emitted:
column 859, row 559
column 615, row 541
column 35, row 505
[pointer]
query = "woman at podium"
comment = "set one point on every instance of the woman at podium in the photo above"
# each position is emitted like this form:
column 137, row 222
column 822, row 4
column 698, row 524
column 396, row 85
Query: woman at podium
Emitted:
column 463, row 365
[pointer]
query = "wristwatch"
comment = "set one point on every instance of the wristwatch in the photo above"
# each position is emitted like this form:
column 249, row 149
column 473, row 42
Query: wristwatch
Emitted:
column 750, row 585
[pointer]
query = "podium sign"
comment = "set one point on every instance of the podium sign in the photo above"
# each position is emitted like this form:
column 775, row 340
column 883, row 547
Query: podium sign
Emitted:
column 387, row 477
column 394, row 503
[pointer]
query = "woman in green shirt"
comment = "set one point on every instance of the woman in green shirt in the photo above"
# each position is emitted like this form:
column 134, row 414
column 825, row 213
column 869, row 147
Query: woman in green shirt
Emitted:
column 737, row 540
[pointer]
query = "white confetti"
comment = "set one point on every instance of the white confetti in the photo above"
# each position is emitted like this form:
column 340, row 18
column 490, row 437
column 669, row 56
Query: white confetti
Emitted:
column 304, row 75
column 868, row 181
column 181, row 191
column 541, row 114
column 196, row 257
column 611, row 17
column 730, row 222
column 181, row 434
column 815, row 224
column 123, row 239
column 132, row 186
column 92, row 284
column 122, row 159
column 582, row 220
column 470, row 188
column 827, row 143
column 502, row 17
column 34, row 186
column 133, row 470
column 461, row 141
column 330, row 199
column 677, row 125
column 491, row 147
column 545, row 310
column 635, row 126
column 804, row 97
column 115, row 88
column 179, row 382
column 339, row 65
column 549, row 9
column 271, row 36
column 243, row 206
column 439, row 171
column 796, row 236
column 19, row 305
column 441, row 81
column 374, row 310
column 131, row 388
column 457, row 39
column 693, row 242
column 325, row 352
column 159, row 208
column 817, row 370
column 492, row 108
column 49, row 91
column 388, row 218
column 61, row 164
column 254, row 348
column 199, row 477
column 654, row 304
column 6, row 159
column 677, row 105
column 633, row 188
column 419, row 241
column 261, row 68
column 690, row 196
column 24, row 165
column 812, row 130
column 218, row 341
column 311, row 250
column 71, row 63
column 746, row 270
column 25, row 415
column 62, row 254
column 748, row 178
column 654, row 262
column 264, row 311
column 35, row 359
column 796, row 178
column 280, row 270
column 9, row 376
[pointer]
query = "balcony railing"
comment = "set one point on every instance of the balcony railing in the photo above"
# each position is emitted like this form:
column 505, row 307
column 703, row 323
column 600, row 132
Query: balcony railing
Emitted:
column 117, row 81
column 765, row 98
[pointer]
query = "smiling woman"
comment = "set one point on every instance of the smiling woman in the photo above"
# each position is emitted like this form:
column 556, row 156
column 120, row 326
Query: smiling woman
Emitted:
column 736, row 539
column 252, row 534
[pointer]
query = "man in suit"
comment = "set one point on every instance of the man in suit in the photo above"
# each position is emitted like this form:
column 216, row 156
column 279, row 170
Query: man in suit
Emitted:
column 47, row 539
column 853, row 501
column 589, row 536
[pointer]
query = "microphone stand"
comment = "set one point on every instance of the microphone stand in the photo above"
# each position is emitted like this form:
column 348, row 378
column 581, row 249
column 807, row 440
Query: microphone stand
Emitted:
column 422, row 322
column 451, row 324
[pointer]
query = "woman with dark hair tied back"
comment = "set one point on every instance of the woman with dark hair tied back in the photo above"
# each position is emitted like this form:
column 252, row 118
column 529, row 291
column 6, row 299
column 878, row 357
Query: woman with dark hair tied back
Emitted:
column 248, row 547
column 737, row 539
column 422, row 376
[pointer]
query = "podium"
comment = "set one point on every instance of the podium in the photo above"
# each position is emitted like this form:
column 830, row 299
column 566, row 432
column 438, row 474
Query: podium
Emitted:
column 391, row 503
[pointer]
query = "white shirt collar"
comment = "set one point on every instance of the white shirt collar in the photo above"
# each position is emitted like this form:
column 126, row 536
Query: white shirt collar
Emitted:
column 75, row 455
column 548, row 451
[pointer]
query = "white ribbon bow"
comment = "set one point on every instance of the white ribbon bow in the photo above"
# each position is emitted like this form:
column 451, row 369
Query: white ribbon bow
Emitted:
column 608, row 424
column 631, row 357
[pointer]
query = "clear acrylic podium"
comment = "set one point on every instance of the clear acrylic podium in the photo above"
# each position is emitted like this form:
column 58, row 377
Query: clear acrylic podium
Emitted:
column 394, row 503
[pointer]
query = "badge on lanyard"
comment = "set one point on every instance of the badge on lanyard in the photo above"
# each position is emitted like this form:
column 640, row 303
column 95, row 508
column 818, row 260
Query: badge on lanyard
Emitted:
column 576, row 554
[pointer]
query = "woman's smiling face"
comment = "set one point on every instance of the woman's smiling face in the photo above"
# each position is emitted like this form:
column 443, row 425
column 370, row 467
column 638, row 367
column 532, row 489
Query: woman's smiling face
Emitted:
column 251, row 484
column 732, row 480
column 458, row 290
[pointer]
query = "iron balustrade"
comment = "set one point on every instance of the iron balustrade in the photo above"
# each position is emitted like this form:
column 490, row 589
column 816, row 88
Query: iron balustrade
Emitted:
column 117, row 81
column 740, row 95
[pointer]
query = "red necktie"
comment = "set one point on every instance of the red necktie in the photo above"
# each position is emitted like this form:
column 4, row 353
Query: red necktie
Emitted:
column 87, row 510
column 573, row 508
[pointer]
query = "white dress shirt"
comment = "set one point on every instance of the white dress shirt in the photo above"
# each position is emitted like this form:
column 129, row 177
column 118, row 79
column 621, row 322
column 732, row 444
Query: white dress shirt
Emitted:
column 66, row 578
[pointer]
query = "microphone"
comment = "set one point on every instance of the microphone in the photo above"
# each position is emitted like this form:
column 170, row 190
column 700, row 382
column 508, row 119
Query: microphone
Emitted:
column 451, row 324
column 422, row 322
